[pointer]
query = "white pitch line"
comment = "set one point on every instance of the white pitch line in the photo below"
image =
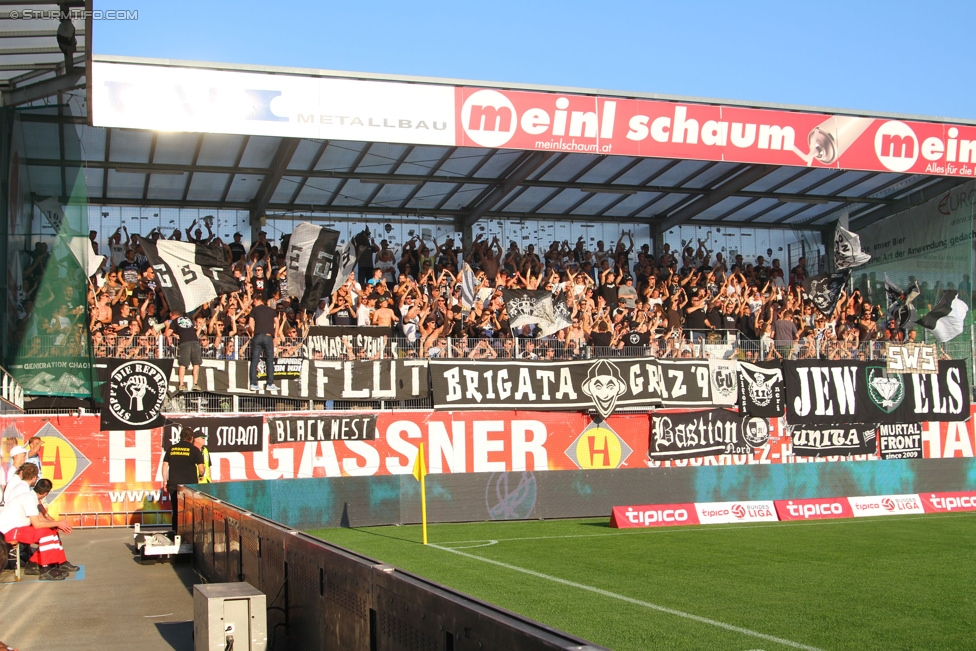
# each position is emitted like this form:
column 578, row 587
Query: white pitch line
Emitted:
column 709, row 528
column 636, row 602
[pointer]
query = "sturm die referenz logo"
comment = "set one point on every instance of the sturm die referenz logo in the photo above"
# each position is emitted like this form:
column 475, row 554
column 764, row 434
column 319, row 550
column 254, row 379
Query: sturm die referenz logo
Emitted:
column 136, row 393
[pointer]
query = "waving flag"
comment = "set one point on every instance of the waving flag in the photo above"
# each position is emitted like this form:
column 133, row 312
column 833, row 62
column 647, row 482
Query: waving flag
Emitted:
column 946, row 320
column 189, row 274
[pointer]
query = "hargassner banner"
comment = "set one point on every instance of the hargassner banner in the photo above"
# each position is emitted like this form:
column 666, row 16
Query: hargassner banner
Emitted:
column 176, row 98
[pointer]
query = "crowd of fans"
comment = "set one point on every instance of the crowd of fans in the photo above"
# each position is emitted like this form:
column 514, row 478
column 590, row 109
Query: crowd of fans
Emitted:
column 622, row 299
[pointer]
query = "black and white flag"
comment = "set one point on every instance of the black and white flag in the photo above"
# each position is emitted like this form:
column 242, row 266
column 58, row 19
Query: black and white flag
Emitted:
column 189, row 274
column 847, row 246
column 134, row 392
column 946, row 320
column 312, row 263
column 536, row 307
column 901, row 304
column 825, row 290
column 761, row 389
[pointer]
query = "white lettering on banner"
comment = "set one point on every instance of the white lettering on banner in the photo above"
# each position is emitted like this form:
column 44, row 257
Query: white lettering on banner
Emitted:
column 442, row 445
column 956, row 442
column 812, row 510
column 522, row 447
column 284, row 460
column 950, row 503
column 320, row 454
column 651, row 516
column 911, row 358
column 370, row 456
column 826, row 393
column 483, row 446
column 927, row 396
column 120, row 452
column 395, row 440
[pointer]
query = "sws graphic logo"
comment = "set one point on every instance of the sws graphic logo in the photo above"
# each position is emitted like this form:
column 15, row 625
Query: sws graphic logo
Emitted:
column 896, row 146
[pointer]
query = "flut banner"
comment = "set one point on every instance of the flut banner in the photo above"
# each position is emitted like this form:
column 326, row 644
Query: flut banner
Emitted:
column 822, row 392
column 134, row 393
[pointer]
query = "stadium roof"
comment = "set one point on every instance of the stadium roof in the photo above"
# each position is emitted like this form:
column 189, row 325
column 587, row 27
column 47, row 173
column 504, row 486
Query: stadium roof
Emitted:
column 282, row 176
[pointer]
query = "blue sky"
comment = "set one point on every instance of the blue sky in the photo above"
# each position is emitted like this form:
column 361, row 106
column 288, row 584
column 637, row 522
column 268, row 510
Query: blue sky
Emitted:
column 893, row 56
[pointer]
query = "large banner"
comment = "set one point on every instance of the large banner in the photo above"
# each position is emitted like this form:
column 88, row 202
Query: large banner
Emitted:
column 134, row 392
column 55, row 376
column 387, row 379
column 821, row 392
column 700, row 434
column 235, row 433
column 171, row 98
column 601, row 385
column 119, row 471
column 316, row 427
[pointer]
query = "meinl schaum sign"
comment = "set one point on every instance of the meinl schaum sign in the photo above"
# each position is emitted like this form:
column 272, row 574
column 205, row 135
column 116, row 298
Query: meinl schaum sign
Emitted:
column 821, row 392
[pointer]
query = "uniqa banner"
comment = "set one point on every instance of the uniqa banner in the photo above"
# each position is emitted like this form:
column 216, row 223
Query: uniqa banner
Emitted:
column 832, row 440
column 822, row 392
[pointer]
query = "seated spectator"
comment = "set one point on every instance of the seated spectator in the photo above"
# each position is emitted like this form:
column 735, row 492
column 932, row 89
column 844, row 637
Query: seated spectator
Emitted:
column 21, row 522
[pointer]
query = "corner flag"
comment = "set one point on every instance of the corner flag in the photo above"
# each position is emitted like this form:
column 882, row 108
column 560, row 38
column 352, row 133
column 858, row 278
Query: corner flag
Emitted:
column 419, row 472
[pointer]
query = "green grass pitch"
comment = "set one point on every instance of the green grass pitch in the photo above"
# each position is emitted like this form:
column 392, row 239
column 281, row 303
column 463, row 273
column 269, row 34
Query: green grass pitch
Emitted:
column 873, row 583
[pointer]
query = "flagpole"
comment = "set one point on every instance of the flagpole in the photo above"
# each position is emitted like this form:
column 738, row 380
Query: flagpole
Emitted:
column 420, row 474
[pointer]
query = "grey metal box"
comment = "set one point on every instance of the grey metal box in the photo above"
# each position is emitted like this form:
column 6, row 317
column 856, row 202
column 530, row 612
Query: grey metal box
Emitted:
column 229, row 609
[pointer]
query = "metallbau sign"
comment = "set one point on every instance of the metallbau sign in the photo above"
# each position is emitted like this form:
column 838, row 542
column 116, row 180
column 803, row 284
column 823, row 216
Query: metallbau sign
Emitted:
column 170, row 98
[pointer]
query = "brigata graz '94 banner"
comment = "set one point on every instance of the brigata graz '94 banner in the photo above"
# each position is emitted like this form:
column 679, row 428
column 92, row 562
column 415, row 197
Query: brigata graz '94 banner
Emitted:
column 196, row 99
column 601, row 385
column 821, row 392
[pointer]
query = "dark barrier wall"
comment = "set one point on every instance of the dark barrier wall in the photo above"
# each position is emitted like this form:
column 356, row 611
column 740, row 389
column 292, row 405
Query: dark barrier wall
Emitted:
column 365, row 501
column 322, row 597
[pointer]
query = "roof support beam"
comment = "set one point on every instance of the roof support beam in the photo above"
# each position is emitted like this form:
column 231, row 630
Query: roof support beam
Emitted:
column 518, row 172
column 727, row 189
column 47, row 88
column 913, row 199
column 279, row 163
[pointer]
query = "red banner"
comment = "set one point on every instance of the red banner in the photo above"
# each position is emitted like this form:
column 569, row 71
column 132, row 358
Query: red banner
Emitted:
column 562, row 122
column 814, row 509
column 653, row 515
column 119, row 472
column 948, row 502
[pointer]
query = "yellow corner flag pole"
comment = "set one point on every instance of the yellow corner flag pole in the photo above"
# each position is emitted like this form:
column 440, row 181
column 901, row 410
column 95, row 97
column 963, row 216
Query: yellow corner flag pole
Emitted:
column 419, row 472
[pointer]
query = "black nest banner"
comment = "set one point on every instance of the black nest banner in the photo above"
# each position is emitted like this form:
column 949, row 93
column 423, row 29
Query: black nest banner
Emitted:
column 821, row 392
column 761, row 389
column 134, row 392
column 223, row 433
column 313, row 428
column 833, row 440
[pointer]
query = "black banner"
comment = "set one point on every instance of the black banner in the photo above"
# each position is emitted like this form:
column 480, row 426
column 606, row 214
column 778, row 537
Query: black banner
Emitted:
column 134, row 392
column 825, row 290
column 401, row 379
column 284, row 367
column 831, row 440
column 224, row 433
column 339, row 427
column 703, row 434
column 900, row 441
column 821, row 392
column 349, row 342
column 601, row 385
column 761, row 389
